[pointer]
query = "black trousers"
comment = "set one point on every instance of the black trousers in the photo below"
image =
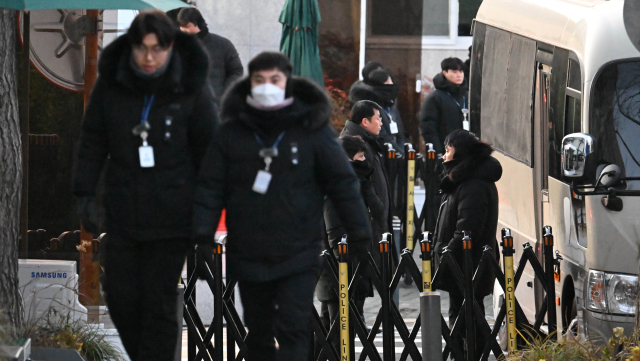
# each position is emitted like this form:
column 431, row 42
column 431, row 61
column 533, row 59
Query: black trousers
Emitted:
column 280, row 308
column 455, row 304
column 140, row 282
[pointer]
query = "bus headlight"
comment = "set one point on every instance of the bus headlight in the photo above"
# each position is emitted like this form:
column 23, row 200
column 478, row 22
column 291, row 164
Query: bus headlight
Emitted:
column 612, row 293
column 596, row 299
column 622, row 292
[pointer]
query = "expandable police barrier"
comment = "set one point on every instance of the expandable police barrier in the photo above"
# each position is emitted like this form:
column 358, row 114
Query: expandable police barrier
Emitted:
column 349, row 325
column 209, row 342
column 402, row 173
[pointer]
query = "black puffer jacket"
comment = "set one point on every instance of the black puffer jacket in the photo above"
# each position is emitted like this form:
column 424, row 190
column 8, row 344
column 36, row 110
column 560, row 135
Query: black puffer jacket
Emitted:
column 147, row 203
column 224, row 62
column 378, row 177
column 441, row 111
column 279, row 233
column 363, row 91
column 335, row 230
column 469, row 203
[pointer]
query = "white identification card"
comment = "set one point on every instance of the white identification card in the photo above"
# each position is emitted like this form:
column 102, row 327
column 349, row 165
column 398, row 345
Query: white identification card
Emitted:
column 261, row 184
column 394, row 127
column 146, row 157
column 465, row 125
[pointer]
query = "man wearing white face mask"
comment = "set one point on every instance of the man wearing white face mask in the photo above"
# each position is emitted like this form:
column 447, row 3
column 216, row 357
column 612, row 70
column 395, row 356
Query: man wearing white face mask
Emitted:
column 271, row 163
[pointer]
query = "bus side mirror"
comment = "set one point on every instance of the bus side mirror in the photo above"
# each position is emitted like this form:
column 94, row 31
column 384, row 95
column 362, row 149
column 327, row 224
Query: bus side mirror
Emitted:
column 575, row 149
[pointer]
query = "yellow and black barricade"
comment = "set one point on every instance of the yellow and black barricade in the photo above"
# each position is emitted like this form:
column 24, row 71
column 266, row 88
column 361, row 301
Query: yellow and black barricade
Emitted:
column 411, row 173
column 510, row 289
column 343, row 299
column 426, row 248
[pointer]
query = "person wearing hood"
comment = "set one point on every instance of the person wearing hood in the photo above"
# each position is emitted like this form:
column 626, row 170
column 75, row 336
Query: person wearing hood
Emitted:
column 224, row 62
column 469, row 203
column 443, row 111
column 355, row 147
column 273, row 160
column 149, row 119
column 378, row 86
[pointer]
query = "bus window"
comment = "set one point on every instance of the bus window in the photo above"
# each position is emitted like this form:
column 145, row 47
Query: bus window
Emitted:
column 508, row 72
column 615, row 118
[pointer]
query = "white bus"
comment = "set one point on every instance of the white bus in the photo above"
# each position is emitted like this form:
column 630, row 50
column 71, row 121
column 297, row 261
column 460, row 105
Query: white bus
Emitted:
column 555, row 88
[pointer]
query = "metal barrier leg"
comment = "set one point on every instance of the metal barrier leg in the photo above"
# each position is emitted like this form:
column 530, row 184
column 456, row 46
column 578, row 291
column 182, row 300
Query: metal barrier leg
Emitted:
column 549, row 273
column 217, row 301
column 179, row 310
column 468, row 298
column 387, row 324
column 430, row 314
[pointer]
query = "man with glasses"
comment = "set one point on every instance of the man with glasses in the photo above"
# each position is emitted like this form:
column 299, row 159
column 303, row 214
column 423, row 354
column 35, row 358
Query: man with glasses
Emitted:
column 149, row 120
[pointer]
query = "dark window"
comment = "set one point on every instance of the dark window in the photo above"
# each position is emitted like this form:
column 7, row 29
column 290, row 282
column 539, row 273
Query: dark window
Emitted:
column 572, row 115
column 468, row 9
column 574, row 80
column 507, row 90
column 615, row 118
column 398, row 17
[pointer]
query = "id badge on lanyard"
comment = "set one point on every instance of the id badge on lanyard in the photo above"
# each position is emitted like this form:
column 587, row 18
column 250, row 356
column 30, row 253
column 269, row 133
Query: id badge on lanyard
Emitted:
column 145, row 152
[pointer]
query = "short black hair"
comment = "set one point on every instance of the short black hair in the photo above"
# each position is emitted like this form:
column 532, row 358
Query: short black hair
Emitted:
column 463, row 141
column 379, row 77
column 268, row 60
column 363, row 109
column 451, row 64
column 191, row 15
column 369, row 67
column 352, row 145
column 152, row 22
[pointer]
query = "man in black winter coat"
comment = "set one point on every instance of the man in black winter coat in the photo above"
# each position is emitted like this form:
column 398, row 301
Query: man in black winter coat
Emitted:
column 469, row 203
column 366, row 122
column 271, row 163
column 224, row 62
column 443, row 111
column 150, row 118
column 378, row 87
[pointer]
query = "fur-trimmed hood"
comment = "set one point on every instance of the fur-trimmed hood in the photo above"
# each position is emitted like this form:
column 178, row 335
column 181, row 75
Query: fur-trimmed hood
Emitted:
column 186, row 73
column 480, row 164
column 311, row 106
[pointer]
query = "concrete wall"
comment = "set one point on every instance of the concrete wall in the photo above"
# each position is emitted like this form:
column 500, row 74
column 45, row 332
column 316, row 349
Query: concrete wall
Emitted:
column 431, row 60
column 251, row 25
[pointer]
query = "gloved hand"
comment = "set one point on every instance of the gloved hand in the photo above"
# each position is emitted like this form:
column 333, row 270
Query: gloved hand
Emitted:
column 88, row 213
column 204, row 250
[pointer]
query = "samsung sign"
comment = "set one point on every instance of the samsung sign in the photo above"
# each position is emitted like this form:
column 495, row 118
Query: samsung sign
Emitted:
column 48, row 274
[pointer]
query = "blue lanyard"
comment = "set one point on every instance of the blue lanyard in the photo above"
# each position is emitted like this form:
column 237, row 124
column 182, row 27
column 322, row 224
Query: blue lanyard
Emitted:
column 275, row 145
column 464, row 101
column 147, row 108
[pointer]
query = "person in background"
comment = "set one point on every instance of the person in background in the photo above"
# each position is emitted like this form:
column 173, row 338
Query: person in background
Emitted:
column 469, row 203
column 381, row 90
column 149, row 120
column 272, row 162
column 224, row 62
column 355, row 147
column 443, row 111
column 467, row 66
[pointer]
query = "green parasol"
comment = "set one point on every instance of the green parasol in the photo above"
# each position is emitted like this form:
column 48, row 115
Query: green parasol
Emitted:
column 299, row 41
